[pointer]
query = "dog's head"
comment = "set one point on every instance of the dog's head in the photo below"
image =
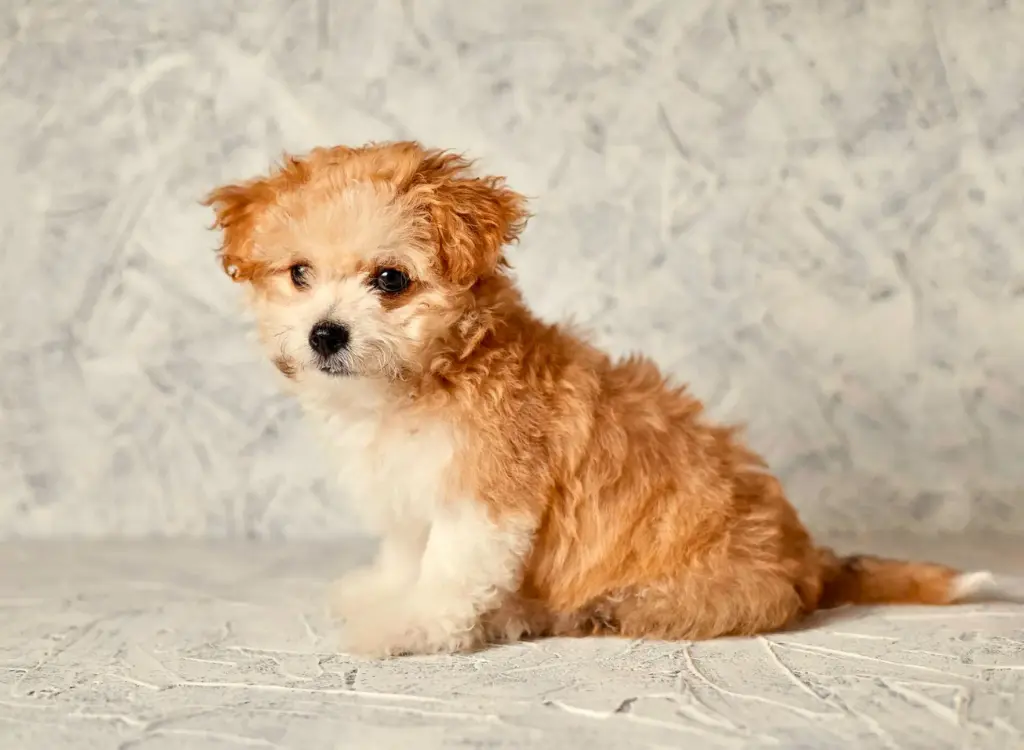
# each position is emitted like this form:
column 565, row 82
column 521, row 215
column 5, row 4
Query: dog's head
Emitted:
column 359, row 258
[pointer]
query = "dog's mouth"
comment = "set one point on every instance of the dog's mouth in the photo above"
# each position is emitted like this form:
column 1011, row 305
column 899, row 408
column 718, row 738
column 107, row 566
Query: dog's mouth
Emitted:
column 334, row 367
column 334, row 371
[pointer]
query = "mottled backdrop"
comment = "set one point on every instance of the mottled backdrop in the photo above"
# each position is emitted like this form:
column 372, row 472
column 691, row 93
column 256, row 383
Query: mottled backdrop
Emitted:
column 808, row 210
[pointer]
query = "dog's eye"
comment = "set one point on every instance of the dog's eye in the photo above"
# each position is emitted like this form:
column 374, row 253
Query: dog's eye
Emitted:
column 300, row 275
column 391, row 280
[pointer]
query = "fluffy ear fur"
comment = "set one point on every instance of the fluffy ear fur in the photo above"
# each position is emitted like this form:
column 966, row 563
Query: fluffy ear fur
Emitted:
column 472, row 218
column 236, row 207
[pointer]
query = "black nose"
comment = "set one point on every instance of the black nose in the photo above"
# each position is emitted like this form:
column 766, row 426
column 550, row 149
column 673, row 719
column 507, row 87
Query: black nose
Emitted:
column 328, row 338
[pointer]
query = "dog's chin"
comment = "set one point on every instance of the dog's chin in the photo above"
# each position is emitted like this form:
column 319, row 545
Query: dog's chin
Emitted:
column 334, row 367
column 335, row 371
column 352, row 367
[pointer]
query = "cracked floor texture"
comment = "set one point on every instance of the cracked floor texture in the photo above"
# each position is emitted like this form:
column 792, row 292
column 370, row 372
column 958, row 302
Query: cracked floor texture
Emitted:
column 210, row 646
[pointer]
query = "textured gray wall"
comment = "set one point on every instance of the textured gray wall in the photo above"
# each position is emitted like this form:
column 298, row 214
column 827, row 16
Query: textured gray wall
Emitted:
column 809, row 210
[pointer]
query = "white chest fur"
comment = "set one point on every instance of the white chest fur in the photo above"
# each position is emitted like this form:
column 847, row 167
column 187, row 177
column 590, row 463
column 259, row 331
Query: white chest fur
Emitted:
column 393, row 468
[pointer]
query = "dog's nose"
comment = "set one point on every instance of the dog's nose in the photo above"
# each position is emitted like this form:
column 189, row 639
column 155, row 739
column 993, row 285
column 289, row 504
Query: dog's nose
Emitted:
column 328, row 338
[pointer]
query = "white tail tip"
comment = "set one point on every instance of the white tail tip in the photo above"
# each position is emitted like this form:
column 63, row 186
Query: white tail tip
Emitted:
column 984, row 586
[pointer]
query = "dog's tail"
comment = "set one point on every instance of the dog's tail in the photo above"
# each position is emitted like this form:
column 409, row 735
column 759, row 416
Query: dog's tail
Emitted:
column 863, row 579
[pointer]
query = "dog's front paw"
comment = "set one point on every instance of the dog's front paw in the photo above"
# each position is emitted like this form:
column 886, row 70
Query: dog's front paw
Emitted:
column 402, row 628
column 362, row 589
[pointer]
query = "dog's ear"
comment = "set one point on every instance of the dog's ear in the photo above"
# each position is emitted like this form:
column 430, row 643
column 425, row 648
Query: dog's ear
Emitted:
column 236, row 208
column 471, row 218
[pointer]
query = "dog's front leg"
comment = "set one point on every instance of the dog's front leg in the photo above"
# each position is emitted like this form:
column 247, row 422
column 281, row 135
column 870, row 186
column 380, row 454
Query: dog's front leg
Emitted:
column 472, row 561
column 392, row 574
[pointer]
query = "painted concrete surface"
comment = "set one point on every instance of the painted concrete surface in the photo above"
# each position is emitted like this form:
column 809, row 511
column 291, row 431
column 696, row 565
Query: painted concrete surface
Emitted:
column 206, row 646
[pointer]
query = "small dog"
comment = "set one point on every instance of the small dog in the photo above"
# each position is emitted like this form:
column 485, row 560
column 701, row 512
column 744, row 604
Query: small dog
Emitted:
column 523, row 483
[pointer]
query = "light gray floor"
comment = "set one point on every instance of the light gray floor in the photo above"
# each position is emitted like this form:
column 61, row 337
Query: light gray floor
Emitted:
column 214, row 646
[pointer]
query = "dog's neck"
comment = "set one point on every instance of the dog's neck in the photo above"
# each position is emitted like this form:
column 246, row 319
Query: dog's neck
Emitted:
column 483, row 336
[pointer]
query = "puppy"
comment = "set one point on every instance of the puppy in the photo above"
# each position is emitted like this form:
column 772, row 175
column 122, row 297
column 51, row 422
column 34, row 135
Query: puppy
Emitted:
column 522, row 482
